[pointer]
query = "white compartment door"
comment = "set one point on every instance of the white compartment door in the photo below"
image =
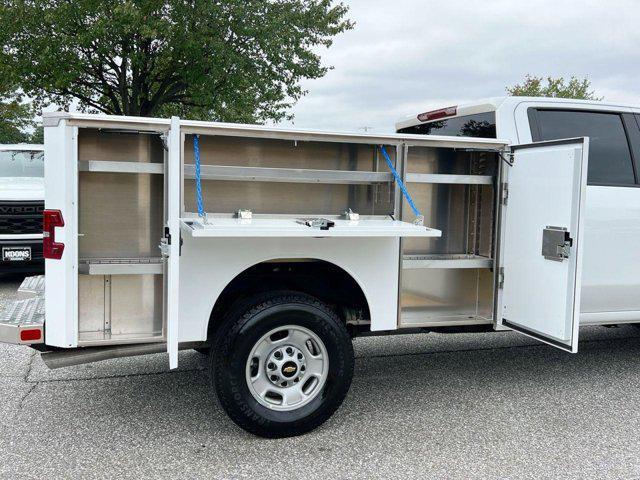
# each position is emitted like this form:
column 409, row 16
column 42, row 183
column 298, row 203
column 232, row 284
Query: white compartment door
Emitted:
column 61, row 193
column 171, row 238
column 303, row 227
column 540, row 252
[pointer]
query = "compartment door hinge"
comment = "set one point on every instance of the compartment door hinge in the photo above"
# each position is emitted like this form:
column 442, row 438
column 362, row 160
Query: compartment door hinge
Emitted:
column 505, row 193
column 501, row 277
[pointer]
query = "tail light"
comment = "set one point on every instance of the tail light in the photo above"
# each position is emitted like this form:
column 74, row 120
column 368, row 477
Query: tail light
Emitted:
column 30, row 334
column 437, row 114
column 50, row 248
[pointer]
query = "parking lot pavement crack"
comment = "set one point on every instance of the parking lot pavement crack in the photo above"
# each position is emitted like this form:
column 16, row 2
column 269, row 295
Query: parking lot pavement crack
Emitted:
column 32, row 385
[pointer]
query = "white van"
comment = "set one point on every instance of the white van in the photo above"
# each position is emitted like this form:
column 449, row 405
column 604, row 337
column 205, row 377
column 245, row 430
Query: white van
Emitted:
column 21, row 206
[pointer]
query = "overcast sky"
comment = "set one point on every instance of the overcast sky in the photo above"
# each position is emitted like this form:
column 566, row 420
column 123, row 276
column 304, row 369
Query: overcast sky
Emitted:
column 407, row 56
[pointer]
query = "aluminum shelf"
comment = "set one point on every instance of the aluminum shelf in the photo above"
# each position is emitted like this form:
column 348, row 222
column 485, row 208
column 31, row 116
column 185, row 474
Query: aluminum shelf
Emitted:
column 450, row 179
column 121, row 266
column 120, row 167
column 286, row 175
column 89, row 339
column 446, row 261
column 419, row 319
column 282, row 175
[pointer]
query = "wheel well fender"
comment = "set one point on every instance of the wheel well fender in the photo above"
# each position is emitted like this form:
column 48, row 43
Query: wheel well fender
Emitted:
column 324, row 280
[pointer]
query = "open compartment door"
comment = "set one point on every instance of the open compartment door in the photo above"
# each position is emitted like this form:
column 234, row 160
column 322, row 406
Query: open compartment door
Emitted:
column 303, row 227
column 540, row 250
column 61, row 194
column 171, row 240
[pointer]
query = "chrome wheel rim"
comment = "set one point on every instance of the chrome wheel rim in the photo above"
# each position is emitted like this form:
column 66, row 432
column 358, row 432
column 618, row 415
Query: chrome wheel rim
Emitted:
column 287, row 368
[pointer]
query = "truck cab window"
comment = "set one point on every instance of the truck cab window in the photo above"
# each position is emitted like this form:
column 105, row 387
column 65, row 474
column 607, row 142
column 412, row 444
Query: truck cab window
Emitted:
column 481, row 125
column 610, row 160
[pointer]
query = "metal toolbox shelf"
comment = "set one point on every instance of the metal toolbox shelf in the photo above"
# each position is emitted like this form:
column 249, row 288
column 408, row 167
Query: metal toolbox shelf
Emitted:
column 287, row 175
column 446, row 261
column 120, row 167
column 121, row 266
column 247, row 174
column 449, row 179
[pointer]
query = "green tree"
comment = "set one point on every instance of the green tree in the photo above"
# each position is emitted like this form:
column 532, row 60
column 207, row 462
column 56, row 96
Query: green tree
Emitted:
column 228, row 60
column 37, row 136
column 532, row 86
column 16, row 117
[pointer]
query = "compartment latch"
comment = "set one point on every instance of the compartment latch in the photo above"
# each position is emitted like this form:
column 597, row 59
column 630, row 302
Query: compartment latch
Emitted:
column 319, row 223
column 556, row 243
column 165, row 242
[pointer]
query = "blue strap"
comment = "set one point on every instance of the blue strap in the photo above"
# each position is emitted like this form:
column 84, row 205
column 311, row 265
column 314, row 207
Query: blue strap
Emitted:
column 400, row 182
column 196, row 154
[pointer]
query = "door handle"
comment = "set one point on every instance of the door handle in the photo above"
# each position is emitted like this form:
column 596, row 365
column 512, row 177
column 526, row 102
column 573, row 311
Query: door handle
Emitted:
column 556, row 243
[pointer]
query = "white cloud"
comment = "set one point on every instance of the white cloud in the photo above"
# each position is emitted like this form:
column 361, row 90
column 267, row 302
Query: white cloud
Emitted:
column 406, row 56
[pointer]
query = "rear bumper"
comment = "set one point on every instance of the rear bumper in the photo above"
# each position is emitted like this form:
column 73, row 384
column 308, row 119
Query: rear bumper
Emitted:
column 22, row 321
column 36, row 264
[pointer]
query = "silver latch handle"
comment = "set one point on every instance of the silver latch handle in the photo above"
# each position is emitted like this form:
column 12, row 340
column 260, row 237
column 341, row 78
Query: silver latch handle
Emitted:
column 556, row 243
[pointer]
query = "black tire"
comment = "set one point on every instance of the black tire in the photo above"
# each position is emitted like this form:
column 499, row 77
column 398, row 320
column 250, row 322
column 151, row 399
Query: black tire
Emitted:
column 243, row 327
column 203, row 350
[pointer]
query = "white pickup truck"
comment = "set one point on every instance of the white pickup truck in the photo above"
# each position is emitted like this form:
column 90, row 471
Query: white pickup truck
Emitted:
column 611, row 269
column 270, row 249
column 21, row 206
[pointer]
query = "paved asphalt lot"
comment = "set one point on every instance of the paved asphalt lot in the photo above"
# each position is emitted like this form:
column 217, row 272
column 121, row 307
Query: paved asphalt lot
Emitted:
column 421, row 406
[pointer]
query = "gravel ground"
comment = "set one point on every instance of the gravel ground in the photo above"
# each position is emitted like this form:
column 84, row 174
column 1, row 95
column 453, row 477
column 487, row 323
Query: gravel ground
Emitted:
column 421, row 406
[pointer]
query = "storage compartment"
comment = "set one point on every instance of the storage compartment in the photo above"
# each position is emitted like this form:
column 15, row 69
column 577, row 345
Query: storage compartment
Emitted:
column 119, row 146
column 443, row 161
column 432, row 296
column 464, row 213
column 449, row 280
column 120, row 214
column 122, row 209
column 120, row 308
column 273, row 176
column 120, row 221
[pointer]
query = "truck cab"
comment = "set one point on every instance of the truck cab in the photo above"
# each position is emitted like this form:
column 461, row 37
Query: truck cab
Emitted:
column 610, row 278
column 21, row 207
